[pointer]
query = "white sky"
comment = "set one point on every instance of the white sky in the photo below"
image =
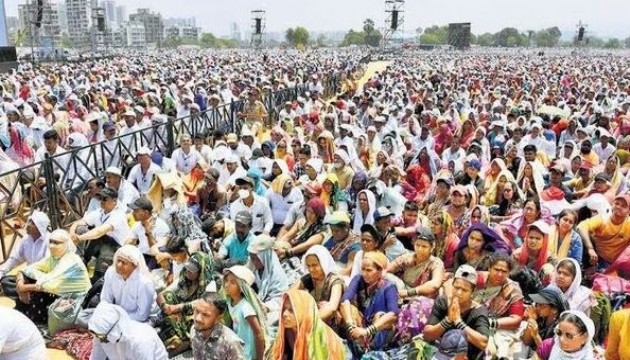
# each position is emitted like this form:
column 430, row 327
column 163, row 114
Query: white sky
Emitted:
column 604, row 17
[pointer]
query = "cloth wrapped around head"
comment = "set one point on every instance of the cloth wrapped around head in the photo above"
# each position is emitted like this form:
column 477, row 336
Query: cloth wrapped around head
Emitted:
column 378, row 258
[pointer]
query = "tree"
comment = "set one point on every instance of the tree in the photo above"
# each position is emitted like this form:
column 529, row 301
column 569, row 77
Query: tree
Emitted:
column 434, row 35
column 548, row 37
column 612, row 43
column 486, row 39
column 510, row 37
column 321, row 41
column 173, row 41
column 353, row 38
column 626, row 42
column 297, row 37
column 65, row 41
column 208, row 40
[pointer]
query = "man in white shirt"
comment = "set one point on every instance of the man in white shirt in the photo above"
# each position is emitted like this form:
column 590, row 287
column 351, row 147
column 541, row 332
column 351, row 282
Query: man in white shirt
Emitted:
column 142, row 174
column 149, row 232
column 280, row 203
column 603, row 149
column 230, row 172
column 262, row 221
column 105, row 229
column 287, row 113
column 238, row 148
column 32, row 248
column 185, row 156
column 203, row 149
column 127, row 193
column 455, row 152
column 51, row 148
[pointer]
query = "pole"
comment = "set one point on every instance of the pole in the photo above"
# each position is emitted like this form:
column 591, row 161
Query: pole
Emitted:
column 30, row 26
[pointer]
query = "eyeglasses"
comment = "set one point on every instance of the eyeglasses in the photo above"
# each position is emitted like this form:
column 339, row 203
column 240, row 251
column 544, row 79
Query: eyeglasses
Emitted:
column 567, row 335
column 103, row 337
column 507, row 190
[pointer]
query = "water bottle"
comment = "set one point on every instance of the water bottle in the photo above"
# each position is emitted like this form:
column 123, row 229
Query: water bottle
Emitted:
column 91, row 265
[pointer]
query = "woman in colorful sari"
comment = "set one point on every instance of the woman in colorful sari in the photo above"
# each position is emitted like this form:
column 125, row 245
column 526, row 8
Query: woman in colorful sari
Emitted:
column 19, row 151
column 177, row 302
column 494, row 171
column 467, row 133
column 313, row 172
column 306, row 232
column 429, row 161
column 302, row 335
column 284, row 154
column 59, row 274
column 611, row 169
column 326, row 147
column 564, row 241
column 443, row 138
column 445, row 238
column 535, row 254
column 476, row 247
column 530, row 179
column 370, row 306
column 514, row 229
column 322, row 282
column 416, row 184
column 364, row 210
column 568, row 278
column 194, row 180
column 512, row 160
column 422, row 273
column 382, row 160
column 333, row 197
column 359, row 182
column 271, row 279
column 439, row 194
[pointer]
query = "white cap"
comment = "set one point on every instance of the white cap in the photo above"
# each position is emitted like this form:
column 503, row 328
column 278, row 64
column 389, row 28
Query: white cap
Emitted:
column 144, row 151
column 113, row 170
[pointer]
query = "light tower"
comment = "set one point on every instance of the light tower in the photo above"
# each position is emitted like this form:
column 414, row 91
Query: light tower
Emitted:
column 259, row 24
column 394, row 21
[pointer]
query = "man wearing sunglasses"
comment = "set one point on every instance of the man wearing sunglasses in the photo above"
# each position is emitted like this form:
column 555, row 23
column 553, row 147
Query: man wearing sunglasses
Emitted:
column 118, row 337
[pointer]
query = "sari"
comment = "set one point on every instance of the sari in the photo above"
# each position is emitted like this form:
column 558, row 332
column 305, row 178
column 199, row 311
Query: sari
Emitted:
column 362, row 178
column 493, row 243
column 563, row 248
column 418, row 181
column 337, row 197
column 359, row 218
column 317, row 206
column 314, row 340
column 445, row 247
column 493, row 194
column 329, row 267
column 499, row 299
column 538, row 183
column 580, row 298
column 177, row 326
column 194, row 180
column 412, row 273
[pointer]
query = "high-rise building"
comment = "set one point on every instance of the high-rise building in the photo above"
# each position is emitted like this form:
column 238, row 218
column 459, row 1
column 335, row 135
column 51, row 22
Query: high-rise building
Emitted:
column 110, row 10
column 12, row 23
column 135, row 34
column 62, row 13
column 79, row 13
column 180, row 22
column 121, row 14
column 44, row 32
column 153, row 26
column 235, row 32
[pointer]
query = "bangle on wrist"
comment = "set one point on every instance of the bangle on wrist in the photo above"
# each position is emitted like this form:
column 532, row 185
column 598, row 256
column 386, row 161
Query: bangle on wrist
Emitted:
column 460, row 325
column 446, row 324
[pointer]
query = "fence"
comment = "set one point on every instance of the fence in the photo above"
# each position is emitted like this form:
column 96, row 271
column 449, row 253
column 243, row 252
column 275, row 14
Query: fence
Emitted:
column 65, row 176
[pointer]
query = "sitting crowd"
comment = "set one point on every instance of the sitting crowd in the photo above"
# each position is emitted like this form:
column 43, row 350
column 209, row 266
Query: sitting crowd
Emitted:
column 425, row 214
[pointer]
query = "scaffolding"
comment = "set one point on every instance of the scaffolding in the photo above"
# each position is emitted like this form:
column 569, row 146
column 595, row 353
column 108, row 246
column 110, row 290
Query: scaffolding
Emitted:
column 395, row 19
column 259, row 24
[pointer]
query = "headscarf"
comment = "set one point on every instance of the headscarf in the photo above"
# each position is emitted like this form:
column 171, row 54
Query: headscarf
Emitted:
column 272, row 280
column 358, row 214
column 587, row 352
column 256, row 175
column 378, row 258
column 109, row 319
column 419, row 182
column 360, row 177
column 542, row 256
column 492, row 240
column 42, row 222
column 314, row 339
column 537, row 175
column 336, row 196
column 20, row 147
column 66, row 275
column 326, row 260
column 186, row 289
column 490, row 197
column 316, row 205
column 133, row 255
column 277, row 185
column 579, row 297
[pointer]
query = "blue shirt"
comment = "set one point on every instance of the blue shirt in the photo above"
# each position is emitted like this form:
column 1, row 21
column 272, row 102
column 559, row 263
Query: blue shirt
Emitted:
column 234, row 249
column 239, row 314
column 355, row 247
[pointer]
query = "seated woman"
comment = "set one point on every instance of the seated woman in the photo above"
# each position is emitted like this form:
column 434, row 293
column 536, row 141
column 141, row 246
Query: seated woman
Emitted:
column 302, row 334
column 322, row 281
column 376, row 300
column 333, row 196
column 503, row 298
column 573, row 339
column 514, row 229
column 364, row 210
column 421, row 272
column 177, row 302
column 61, row 273
column 476, row 247
column 271, row 280
column 445, row 238
column 306, row 232
column 211, row 197
column 534, row 253
column 194, row 180
column 564, row 241
column 568, row 278
column 371, row 240
column 342, row 244
column 246, row 310
column 510, row 203
column 128, row 284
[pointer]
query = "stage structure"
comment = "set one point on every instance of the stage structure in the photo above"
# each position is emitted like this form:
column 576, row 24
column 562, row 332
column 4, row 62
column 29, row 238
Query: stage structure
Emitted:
column 395, row 19
column 580, row 38
column 459, row 35
column 259, row 23
column 99, row 29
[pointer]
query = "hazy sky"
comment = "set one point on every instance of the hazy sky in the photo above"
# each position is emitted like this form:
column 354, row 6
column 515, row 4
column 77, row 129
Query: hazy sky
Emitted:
column 604, row 17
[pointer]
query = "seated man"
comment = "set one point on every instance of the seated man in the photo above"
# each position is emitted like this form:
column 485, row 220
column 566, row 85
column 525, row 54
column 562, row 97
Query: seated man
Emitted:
column 149, row 232
column 234, row 248
column 127, row 193
column 32, row 248
column 210, row 338
column 461, row 312
column 392, row 247
column 343, row 244
column 257, row 206
column 106, row 230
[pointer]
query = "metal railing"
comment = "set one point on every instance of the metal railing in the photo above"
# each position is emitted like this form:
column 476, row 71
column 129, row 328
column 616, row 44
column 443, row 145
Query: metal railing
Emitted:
column 61, row 195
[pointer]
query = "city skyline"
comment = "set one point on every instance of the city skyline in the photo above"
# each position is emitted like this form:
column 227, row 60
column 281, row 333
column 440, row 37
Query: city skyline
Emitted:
column 330, row 16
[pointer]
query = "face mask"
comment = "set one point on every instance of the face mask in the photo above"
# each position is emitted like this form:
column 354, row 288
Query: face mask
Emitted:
column 243, row 194
column 338, row 165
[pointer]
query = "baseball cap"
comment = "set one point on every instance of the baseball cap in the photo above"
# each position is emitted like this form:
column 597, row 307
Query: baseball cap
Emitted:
column 476, row 164
column 337, row 218
column 467, row 273
column 244, row 180
column 557, row 167
column 243, row 217
column 551, row 296
column 109, row 126
column 113, row 171
column 382, row 212
column 540, row 225
column 423, row 233
column 144, row 151
column 459, row 189
column 453, row 343
column 601, row 177
column 141, row 203
column 447, row 181
column 625, row 197
column 109, row 193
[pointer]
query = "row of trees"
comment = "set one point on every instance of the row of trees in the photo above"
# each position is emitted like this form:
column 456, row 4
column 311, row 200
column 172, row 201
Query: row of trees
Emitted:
column 206, row 40
column 511, row 37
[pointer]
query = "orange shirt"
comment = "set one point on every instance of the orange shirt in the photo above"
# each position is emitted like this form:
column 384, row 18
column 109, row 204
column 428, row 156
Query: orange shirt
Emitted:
column 608, row 239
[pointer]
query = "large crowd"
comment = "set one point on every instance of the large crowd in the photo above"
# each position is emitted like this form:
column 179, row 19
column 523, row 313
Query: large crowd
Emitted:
column 447, row 206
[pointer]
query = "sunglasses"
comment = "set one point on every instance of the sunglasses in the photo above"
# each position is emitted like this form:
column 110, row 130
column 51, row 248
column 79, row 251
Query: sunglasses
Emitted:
column 103, row 337
column 566, row 335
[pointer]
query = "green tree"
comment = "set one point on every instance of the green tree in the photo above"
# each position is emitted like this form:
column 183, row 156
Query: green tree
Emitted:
column 626, row 42
column 65, row 40
column 548, row 37
column 297, row 37
column 612, row 43
column 486, row 39
column 435, row 35
column 353, row 38
column 510, row 37
column 208, row 40
column 321, row 41
column 173, row 41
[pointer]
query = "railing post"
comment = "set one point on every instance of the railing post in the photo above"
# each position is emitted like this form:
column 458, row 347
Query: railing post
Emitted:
column 232, row 117
column 49, row 175
column 170, row 136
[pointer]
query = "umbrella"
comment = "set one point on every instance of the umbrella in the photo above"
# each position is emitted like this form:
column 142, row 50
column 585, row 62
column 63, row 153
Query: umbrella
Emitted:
column 554, row 111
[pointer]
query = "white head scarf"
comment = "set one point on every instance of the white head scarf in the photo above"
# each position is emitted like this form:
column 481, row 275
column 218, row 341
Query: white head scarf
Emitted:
column 109, row 319
column 579, row 297
column 133, row 255
column 358, row 214
column 326, row 260
column 41, row 221
column 586, row 353
column 61, row 234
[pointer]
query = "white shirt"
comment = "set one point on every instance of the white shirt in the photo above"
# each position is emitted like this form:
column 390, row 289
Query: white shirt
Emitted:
column 136, row 294
column 116, row 218
column 280, row 205
column 127, row 193
column 206, row 153
column 604, row 153
column 30, row 251
column 143, row 181
column 21, row 340
column 184, row 163
column 448, row 155
column 160, row 231
column 260, row 210
column 225, row 178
